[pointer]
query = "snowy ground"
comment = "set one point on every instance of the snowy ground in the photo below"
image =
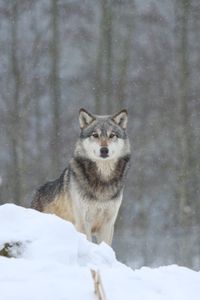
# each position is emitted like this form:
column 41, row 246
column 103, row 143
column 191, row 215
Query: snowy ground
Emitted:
column 53, row 262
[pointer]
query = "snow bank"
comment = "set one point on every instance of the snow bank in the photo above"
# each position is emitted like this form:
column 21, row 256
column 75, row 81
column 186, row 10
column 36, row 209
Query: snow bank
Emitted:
column 46, row 237
column 53, row 262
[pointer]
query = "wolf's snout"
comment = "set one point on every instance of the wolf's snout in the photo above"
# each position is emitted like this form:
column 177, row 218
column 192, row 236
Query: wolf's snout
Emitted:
column 104, row 152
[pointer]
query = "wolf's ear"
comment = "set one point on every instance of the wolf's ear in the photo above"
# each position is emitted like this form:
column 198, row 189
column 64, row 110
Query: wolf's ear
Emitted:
column 121, row 118
column 85, row 118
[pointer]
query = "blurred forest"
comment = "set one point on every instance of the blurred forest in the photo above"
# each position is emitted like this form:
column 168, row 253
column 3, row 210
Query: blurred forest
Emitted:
column 59, row 55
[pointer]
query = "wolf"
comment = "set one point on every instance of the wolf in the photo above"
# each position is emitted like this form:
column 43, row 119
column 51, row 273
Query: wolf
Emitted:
column 89, row 191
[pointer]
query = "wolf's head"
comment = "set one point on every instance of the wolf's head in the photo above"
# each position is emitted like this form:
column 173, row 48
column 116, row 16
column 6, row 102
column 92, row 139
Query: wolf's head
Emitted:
column 103, row 137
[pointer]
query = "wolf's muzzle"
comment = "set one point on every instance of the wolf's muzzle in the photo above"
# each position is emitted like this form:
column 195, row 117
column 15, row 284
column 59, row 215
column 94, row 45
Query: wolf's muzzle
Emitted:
column 104, row 152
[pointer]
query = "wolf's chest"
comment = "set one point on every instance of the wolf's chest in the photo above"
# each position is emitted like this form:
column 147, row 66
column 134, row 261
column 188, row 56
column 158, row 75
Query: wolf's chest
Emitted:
column 94, row 202
column 98, row 213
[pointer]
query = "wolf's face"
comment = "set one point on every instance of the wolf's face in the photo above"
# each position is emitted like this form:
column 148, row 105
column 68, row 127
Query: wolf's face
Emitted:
column 104, row 137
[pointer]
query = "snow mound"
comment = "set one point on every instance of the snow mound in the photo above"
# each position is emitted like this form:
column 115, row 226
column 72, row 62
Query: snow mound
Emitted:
column 48, row 237
column 49, row 259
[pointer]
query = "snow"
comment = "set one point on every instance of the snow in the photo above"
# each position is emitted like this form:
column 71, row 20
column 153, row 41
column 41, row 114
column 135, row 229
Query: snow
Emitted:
column 52, row 261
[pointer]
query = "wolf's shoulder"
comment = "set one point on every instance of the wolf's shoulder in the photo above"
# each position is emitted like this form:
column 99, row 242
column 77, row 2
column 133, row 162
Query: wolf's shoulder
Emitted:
column 58, row 182
column 53, row 187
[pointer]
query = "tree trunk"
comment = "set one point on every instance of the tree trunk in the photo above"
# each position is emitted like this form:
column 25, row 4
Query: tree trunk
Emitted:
column 183, row 133
column 15, row 109
column 104, row 62
column 120, row 96
column 183, row 111
column 55, row 88
column 107, row 10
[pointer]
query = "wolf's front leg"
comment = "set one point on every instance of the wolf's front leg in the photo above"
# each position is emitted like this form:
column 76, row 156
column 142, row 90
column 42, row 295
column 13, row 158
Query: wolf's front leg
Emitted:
column 105, row 234
column 83, row 228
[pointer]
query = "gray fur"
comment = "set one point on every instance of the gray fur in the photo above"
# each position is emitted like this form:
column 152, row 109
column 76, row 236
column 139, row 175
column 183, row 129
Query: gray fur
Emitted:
column 104, row 124
column 89, row 192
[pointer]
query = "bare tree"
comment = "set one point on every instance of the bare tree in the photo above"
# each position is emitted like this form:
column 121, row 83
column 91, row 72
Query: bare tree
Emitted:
column 104, row 61
column 15, row 104
column 184, row 115
column 55, row 86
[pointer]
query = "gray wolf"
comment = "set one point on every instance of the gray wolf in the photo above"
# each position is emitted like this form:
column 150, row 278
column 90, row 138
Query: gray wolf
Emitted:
column 89, row 192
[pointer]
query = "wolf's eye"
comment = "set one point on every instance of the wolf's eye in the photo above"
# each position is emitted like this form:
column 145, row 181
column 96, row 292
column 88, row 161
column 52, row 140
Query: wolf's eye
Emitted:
column 112, row 135
column 95, row 135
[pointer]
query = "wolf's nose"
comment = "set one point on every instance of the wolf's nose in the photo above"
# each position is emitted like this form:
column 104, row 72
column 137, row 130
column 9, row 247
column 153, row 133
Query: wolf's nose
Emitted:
column 104, row 151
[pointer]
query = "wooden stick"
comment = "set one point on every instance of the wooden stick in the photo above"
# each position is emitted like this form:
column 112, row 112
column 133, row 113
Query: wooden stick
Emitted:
column 98, row 286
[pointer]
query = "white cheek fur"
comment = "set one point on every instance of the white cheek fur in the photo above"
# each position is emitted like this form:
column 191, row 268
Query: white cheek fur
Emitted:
column 115, row 148
column 91, row 148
